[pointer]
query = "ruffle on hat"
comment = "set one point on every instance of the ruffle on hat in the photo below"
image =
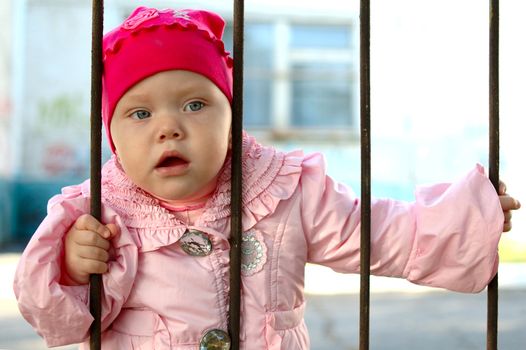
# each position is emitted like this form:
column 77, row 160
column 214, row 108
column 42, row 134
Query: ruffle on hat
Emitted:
column 210, row 25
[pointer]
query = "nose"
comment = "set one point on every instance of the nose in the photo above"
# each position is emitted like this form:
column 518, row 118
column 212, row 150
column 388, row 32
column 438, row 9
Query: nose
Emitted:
column 169, row 129
column 166, row 134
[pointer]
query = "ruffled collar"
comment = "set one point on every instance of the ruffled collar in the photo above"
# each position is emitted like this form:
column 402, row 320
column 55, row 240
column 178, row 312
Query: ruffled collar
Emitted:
column 268, row 177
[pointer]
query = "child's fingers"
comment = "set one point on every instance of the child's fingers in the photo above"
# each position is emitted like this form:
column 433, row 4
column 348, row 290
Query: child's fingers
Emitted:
column 93, row 266
column 502, row 187
column 91, row 239
column 93, row 253
column 114, row 230
column 509, row 203
column 507, row 221
column 89, row 223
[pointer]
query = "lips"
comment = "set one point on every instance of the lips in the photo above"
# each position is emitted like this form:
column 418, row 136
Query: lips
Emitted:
column 170, row 162
column 171, row 159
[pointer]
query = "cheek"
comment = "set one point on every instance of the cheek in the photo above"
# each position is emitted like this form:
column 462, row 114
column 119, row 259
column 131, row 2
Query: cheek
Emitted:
column 129, row 144
column 226, row 142
column 217, row 150
column 219, row 135
column 118, row 140
column 124, row 160
column 135, row 171
column 131, row 162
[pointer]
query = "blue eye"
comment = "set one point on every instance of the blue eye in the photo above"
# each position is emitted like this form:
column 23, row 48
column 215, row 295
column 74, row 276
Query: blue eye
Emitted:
column 194, row 106
column 141, row 114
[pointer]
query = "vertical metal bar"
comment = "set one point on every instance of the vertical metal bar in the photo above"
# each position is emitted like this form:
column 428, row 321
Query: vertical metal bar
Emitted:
column 236, row 200
column 365, row 139
column 493, row 287
column 95, row 167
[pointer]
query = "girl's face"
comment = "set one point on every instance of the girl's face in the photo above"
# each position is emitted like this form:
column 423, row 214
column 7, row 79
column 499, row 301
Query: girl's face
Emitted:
column 171, row 133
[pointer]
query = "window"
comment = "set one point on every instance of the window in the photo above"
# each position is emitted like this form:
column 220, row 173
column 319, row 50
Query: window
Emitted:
column 321, row 95
column 258, row 71
column 298, row 76
column 320, row 36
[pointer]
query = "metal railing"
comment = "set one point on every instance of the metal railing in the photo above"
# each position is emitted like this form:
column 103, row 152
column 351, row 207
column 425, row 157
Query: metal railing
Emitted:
column 95, row 289
column 237, row 126
column 365, row 159
column 235, row 203
column 494, row 142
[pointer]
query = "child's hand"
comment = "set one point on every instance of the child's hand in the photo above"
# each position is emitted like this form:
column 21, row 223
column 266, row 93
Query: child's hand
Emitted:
column 86, row 249
column 508, row 204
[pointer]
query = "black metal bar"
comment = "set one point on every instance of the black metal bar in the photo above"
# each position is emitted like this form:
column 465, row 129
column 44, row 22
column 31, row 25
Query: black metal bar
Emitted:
column 236, row 199
column 95, row 167
column 493, row 287
column 365, row 139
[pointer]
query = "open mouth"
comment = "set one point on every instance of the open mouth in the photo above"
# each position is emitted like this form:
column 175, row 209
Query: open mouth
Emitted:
column 168, row 161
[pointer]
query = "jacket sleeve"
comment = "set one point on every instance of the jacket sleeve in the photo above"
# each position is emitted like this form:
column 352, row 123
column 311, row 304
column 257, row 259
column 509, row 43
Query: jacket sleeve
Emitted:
column 59, row 313
column 447, row 238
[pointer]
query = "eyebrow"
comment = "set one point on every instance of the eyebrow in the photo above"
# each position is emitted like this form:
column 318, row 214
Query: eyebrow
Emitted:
column 187, row 87
column 182, row 89
column 137, row 97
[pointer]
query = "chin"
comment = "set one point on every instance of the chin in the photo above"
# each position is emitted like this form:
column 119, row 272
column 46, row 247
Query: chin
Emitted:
column 166, row 195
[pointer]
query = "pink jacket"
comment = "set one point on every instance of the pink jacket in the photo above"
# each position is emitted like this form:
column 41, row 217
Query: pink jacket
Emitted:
column 157, row 296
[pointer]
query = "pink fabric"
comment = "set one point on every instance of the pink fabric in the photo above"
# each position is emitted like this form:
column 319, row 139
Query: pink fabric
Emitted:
column 150, row 41
column 447, row 238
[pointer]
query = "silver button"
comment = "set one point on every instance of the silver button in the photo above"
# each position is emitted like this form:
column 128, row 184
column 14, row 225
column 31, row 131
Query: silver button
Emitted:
column 196, row 243
column 215, row 339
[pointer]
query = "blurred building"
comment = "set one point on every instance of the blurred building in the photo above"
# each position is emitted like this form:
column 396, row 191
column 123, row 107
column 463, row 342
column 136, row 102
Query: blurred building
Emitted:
column 429, row 97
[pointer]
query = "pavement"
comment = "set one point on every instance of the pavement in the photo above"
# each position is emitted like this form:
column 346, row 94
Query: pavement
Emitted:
column 402, row 315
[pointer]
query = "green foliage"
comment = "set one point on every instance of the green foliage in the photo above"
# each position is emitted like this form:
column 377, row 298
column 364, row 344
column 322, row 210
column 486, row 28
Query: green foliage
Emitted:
column 64, row 111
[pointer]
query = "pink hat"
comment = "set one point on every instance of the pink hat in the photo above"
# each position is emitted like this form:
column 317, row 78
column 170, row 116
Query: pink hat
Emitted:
column 151, row 41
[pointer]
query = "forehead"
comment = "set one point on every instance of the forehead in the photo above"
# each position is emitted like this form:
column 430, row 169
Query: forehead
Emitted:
column 177, row 79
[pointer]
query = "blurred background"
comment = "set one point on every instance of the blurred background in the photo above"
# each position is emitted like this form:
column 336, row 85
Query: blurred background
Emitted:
column 429, row 103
